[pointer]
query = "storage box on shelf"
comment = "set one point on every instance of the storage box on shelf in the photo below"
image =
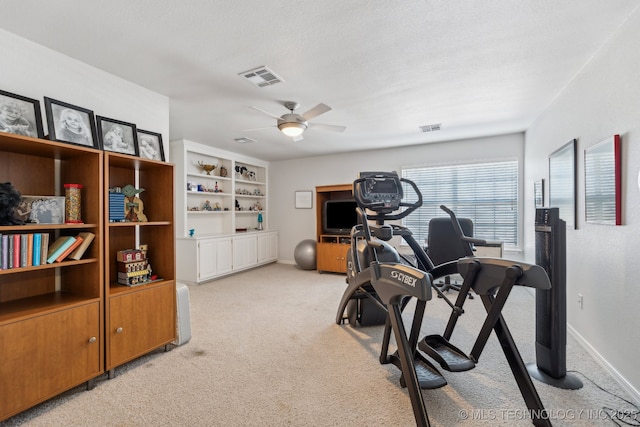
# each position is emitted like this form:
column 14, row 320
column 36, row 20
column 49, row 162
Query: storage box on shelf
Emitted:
column 140, row 318
column 51, row 318
column 225, row 231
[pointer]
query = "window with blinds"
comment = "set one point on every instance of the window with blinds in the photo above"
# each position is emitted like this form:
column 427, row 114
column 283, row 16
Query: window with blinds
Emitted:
column 485, row 192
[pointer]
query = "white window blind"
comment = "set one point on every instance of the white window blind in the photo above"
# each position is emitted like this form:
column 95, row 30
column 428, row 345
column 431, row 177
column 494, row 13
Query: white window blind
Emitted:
column 485, row 192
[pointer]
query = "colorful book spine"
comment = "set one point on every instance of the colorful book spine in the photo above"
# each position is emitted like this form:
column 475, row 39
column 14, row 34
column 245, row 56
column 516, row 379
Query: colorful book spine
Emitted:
column 24, row 250
column 16, row 250
column 5, row 252
column 37, row 247
column 29, row 261
column 44, row 248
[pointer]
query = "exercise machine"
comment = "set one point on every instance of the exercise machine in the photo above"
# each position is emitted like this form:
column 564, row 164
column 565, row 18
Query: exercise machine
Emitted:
column 375, row 271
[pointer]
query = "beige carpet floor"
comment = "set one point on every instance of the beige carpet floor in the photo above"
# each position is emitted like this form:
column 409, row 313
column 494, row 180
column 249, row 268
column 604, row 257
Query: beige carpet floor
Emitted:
column 265, row 351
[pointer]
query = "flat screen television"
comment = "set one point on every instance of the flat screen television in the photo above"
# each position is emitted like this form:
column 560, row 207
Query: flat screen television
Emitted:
column 339, row 216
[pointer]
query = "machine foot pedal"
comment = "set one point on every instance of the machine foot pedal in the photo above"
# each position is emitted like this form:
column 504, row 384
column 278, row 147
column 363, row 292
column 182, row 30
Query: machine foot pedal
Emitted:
column 446, row 354
column 428, row 375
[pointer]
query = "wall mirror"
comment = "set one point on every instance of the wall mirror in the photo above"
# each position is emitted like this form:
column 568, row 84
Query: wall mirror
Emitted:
column 602, row 182
column 562, row 182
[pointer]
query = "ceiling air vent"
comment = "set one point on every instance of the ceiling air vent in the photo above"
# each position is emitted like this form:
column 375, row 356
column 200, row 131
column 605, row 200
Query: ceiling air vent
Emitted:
column 244, row 140
column 261, row 77
column 431, row 128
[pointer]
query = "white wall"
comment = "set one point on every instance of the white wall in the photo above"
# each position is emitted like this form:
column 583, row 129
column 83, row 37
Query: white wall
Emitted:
column 34, row 71
column 603, row 100
column 285, row 177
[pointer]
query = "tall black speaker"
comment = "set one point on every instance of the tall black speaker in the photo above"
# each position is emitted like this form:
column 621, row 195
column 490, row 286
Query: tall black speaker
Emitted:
column 551, row 305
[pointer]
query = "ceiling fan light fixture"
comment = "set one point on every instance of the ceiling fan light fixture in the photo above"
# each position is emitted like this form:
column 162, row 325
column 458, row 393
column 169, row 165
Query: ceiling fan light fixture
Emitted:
column 292, row 129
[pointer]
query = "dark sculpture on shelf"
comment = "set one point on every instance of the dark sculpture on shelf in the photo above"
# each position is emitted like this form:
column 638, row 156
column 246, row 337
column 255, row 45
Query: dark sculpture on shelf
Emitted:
column 9, row 201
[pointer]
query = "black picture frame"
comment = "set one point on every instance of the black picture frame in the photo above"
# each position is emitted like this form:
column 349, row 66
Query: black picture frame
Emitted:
column 27, row 117
column 150, row 145
column 562, row 182
column 117, row 136
column 70, row 123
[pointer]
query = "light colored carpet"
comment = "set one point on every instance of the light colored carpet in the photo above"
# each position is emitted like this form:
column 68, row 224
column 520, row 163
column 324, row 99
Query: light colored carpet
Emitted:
column 265, row 351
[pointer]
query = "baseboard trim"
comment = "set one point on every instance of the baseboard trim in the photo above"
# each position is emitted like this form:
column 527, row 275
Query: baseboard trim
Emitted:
column 626, row 385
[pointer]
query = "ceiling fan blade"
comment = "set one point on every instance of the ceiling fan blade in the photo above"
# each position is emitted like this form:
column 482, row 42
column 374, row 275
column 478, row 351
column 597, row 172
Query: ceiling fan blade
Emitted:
column 332, row 128
column 260, row 128
column 316, row 111
column 265, row 112
column 297, row 138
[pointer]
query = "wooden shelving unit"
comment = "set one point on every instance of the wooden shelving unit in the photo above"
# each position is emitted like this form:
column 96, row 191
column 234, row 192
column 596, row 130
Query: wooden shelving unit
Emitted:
column 51, row 316
column 140, row 318
column 331, row 249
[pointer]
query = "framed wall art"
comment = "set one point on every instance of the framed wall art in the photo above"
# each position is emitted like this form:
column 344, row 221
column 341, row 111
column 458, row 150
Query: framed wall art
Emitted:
column 20, row 115
column 562, row 182
column 304, row 199
column 117, row 136
column 70, row 123
column 150, row 145
column 602, row 182
column 538, row 193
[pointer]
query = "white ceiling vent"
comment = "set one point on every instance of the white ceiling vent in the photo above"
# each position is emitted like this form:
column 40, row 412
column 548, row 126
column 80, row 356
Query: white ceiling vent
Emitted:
column 431, row 128
column 244, row 140
column 261, row 77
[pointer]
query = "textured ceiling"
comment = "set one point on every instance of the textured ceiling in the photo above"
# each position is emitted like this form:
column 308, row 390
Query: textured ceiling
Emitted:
column 386, row 68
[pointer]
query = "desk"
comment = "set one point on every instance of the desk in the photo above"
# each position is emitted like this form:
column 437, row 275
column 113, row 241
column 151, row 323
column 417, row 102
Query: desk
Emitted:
column 489, row 249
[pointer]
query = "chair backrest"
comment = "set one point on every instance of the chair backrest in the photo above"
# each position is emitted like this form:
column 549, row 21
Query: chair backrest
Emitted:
column 444, row 244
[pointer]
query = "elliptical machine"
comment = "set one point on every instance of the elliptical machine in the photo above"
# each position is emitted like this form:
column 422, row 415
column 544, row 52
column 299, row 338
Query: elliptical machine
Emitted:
column 375, row 272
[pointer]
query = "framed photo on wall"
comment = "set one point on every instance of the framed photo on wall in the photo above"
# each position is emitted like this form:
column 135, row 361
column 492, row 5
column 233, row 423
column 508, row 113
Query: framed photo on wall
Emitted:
column 117, row 136
column 20, row 115
column 70, row 123
column 562, row 182
column 150, row 145
column 538, row 193
column 603, row 182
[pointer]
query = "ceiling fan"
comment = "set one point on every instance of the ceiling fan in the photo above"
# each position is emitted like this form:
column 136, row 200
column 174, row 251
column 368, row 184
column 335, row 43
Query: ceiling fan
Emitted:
column 293, row 124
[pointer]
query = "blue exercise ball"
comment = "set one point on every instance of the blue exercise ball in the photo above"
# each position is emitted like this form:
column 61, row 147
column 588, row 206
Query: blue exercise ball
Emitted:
column 305, row 254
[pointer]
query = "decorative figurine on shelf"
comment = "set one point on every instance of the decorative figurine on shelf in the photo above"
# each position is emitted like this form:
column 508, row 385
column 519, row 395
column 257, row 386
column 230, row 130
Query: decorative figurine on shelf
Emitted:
column 216, row 188
column 238, row 205
column 217, row 206
column 206, row 206
column 260, row 220
column 207, row 168
column 133, row 205
column 191, row 232
column 9, row 201
column 223, row 171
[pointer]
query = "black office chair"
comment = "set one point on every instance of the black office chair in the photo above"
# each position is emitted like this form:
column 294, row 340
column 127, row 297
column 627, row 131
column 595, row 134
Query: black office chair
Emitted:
column 449, row 240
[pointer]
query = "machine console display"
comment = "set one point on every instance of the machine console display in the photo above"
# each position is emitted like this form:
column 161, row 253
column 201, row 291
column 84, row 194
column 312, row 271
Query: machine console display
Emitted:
column 380, row 190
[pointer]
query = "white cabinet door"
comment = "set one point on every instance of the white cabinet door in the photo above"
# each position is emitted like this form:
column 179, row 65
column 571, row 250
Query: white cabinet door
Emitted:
column 224, row 260
column 208, row 253
column 267, row 247
column 214, row 257
column 245, row 251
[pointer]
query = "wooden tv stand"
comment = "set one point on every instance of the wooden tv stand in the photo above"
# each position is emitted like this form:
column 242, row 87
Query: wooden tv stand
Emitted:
column 331, row 248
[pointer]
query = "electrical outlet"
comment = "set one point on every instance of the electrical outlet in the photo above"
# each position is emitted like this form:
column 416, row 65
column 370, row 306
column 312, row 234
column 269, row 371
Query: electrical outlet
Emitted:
column 580, row 300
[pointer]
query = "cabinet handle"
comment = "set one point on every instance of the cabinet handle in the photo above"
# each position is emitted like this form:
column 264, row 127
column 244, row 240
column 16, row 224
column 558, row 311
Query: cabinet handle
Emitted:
column 119, row 330
column 93, row 339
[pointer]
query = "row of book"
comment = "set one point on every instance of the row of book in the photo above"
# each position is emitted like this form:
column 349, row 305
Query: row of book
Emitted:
column 33, row 249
